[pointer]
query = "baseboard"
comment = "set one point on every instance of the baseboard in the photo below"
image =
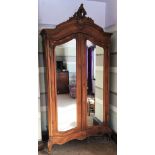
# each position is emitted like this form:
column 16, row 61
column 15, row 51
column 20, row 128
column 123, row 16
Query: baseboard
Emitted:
column 45, row 136
column 41, row 145
column 114, row 136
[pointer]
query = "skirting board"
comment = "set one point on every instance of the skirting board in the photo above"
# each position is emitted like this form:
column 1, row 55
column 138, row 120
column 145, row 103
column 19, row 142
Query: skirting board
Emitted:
column 114, row 136
column 41, row 145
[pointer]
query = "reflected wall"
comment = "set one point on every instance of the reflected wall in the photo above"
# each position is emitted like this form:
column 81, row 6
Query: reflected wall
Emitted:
column 95, row 68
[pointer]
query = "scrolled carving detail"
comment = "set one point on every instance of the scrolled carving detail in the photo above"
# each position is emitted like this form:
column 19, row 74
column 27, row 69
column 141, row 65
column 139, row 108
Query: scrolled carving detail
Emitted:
column 81, row 15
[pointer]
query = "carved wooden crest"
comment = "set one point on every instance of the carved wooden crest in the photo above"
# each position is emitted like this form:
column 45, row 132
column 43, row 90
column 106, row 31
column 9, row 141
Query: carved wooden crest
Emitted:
column 80, row 14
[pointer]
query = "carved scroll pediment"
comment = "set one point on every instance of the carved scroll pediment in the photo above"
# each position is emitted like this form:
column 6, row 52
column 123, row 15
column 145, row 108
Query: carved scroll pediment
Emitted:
column 79, row 22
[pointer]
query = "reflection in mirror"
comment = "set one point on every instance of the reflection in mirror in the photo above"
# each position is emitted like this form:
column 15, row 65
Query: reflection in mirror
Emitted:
column 66, row 85
column 95, row 57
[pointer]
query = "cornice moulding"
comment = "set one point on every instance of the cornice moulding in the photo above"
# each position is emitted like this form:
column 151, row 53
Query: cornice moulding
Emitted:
column 45, row 26
column 111, row 28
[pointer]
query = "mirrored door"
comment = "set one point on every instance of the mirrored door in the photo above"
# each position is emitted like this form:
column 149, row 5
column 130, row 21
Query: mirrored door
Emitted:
column 66, row 99
column 94, row 98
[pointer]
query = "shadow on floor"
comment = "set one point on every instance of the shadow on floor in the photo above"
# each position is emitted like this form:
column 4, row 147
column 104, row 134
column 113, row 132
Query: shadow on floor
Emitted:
column 97, row 145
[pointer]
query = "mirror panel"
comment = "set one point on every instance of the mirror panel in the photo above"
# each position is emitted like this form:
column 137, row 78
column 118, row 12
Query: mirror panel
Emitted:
column 95, row 58
column 66, row 85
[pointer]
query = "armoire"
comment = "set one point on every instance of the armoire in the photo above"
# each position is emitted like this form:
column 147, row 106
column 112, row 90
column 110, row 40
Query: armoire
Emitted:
column 83, row 48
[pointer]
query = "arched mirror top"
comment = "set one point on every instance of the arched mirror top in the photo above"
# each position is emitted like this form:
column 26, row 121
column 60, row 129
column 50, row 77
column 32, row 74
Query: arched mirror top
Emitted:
column 78, row 23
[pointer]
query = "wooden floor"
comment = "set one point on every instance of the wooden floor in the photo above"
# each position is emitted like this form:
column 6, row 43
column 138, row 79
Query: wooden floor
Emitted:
column 90, row 146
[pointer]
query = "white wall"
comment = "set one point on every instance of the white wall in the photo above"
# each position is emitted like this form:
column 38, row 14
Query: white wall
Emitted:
column 53, row 12
column 57, row 11
column 113, row 78
column 111, row 13
column 42, row 83
column 39, row 116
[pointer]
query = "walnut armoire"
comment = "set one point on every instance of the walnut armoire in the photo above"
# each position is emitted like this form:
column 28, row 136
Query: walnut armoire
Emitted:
column 70, row 42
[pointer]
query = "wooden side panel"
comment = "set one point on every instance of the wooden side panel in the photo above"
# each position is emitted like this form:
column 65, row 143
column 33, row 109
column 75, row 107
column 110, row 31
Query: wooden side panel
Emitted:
column 106, row 85
column 48, row 80
column 83, row 62
column 78, row 80
column 54, row 90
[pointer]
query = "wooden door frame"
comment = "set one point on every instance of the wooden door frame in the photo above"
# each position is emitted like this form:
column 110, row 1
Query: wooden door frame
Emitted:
column 105, row 81
column 54, row 91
